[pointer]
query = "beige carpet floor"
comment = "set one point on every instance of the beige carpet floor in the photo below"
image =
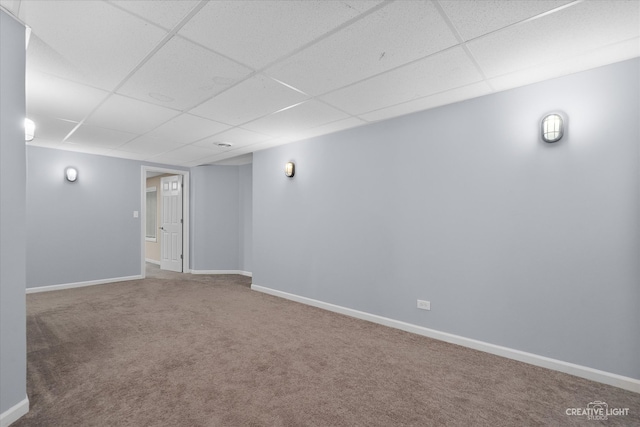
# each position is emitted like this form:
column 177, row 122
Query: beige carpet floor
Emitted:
column 187, row 350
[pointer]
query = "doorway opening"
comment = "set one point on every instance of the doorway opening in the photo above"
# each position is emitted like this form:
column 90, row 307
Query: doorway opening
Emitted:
column 165, row 226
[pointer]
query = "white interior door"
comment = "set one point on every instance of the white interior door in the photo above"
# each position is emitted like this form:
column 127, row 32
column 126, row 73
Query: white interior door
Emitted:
column 171, row 228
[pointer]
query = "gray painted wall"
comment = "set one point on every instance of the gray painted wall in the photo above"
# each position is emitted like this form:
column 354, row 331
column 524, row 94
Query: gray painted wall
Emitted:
column 85, row 230
column 215, row 218
column 245, row 240
column 13, row 351
column 515, row 242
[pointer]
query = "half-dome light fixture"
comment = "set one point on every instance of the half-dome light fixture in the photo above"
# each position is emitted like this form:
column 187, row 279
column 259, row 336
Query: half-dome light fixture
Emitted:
column 29, row 130
column 290, row 169
column 71, row 174
column 552, row 128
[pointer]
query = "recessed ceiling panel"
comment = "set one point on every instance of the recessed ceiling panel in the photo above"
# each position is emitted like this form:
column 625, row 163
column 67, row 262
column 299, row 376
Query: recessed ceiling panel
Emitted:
column 83, row 148
column 45, row 143
column 129, row 115
column 99, row 42
column 47, row 94
column 259, row 32
column 443, row 71
column 164, row 13
column 149, row 145
column 184, row 154
column 392, row 36
column 289, row 122
column 238, row 137
column 51, row 129
column 370, row 59
column 12, row 6
column 267, row 144
column 332, row 127
column 606, row 55
column 126, row 155
column 218, row 159
column 454, row 95
column 182, row 74
column 253, row 98
column 187, row 128
column 236, row 160
column 473, row 18
column 42, row 58
column 100, row 137
column 572, row 31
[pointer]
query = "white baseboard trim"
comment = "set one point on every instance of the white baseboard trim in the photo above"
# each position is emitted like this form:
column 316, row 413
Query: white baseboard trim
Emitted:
column 81, row 284
column 604, row 377
column 241, row 272
column 152, row 261
column 14, row 413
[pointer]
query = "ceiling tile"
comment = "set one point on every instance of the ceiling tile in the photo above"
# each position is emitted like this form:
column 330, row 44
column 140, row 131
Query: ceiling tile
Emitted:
column 186, row 164
column 605, row 55
column 12, row 6
column 290, row 122
column 474, row 18
column 42, row 58
column 236, row 160
column 126, row 155
column 187, row 128
column 442, row 71
column 182, row 74
column 149, row 144
column 373, row 59
column 454, row 95
column 164, row 13
column 218, row 159
column 268, row 144
column 238, row 156
column 225, row 153
column 129, row 115
column 332, row 127
column 99, row 137
column 82, row 148
column 259, row 32
column 184, row 154
column 238, row 137
column 86, row 39
column 48, row 94
column 392, row 36
column 45, row 143
column 253, row 98
column 571, row 31
column 51, row 129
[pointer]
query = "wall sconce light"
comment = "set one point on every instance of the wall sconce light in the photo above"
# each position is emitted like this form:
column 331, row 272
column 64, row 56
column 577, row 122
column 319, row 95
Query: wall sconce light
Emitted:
column 552, row 128
column 290, row 169
column 29, row 130
column 71, row 174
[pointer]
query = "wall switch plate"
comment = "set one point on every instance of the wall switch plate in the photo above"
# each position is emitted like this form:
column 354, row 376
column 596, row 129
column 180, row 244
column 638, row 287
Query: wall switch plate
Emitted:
column 424, row 305
column 135, row 214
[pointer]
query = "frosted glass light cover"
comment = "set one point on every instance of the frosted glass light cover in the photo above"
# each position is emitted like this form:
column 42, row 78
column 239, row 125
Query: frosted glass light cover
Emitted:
column 29, row 130
column 71, row 174
column 552, row 128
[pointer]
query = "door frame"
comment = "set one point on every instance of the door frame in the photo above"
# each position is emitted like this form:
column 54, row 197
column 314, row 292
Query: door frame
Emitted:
column 185, row 214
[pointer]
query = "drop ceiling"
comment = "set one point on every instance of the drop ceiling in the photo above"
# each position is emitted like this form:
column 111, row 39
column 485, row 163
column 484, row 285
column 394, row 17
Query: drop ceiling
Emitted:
column 166, row 81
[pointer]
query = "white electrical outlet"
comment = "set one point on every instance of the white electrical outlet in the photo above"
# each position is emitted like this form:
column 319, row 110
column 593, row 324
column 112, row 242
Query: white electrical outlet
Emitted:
column 424, row 305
